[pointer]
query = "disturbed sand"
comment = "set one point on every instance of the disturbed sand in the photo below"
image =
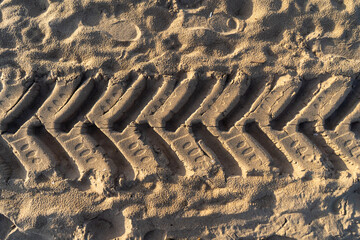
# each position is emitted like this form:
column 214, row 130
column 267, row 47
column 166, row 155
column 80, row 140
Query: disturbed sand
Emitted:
column 179, row 119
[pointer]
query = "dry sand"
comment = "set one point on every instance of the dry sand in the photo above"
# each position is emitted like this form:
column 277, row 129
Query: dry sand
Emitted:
column 179, row 119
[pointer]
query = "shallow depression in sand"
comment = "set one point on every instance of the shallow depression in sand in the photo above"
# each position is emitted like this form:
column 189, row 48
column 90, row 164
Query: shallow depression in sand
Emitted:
column 121, row 30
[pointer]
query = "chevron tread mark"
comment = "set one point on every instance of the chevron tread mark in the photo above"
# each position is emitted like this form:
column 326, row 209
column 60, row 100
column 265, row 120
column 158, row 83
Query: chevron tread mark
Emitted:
column 162, row 149
column 73, row 83
column 114, row 112
column 111, row 151
column 115, row 90
column 279, row 159
column 10, row 166
column 79, row 104
column 179, row 137
column 11, row 94
column 345, row 108
column 242, row 106
column 197, row 95
column 304, row 95
column 213, row 135
column 26, row 107
column 138, row 102
column 308, row 129
column 10, row 159
column 216, row 150
column 64, row 163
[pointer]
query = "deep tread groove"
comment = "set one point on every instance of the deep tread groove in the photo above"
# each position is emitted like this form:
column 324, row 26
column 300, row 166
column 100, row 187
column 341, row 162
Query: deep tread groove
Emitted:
column 355, row 128
column 5, row 170
column 128, row 81
column 10, row 165
column 346, row 107
column 280, row 160
column 230, row 165
column 158, row 144
column 27, row 88
column 241, row 107
column 203, row 87
column 293, row 108
column 137, row 106
column 308, row 129
column 81, row 82
column 6, row 226
column 124, row 167
column 82, row 109
column 44, row 92
column 64, row 162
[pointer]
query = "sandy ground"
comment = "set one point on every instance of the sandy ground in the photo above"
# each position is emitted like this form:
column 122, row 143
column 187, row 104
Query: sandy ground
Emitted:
column 179, row 119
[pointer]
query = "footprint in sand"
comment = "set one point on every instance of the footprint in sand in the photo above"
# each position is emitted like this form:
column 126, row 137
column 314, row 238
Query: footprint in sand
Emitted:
column 218, row 22
column 121, row 30
column 225, row 24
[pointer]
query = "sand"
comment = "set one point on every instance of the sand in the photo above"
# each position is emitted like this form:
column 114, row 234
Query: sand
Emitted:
column 179, row 119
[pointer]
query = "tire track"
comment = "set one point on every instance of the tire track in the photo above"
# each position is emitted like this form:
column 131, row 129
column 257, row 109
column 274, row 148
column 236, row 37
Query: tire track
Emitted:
column 160, row 147
column 80, row 103
column 303, row 95
column 345, row 108
column 147, row 90
column 64, row 163
column 279, row 160
column 308, row 129
column 229, row 164
column 241, row 108
column 192, row 103
column 141, row 123
column 26, row 106
column 128, row 141
column 10, row 166
column 111, row 151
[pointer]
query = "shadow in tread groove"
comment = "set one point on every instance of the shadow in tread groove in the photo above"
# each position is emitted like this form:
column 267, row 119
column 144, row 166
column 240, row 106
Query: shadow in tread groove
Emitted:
column 125, row 85
column 201, row 91
column 137, row 105
column 346, row 107
column 26, row 107
column 241, row 107
column 277, row 237
column 5, row 169
column 124, row 167
column 6, row 226
column 87, row 99
column 155, row 235
column 64, row 162
column 159, row 145
column 11, row 166
column 308, row 129
column 279, row 159
column 82, row 81
column 296, row 104
column 355, row 128
column 229, row 164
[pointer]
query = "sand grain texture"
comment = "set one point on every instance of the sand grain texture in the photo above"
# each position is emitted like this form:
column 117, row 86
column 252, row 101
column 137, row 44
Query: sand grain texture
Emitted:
column 179, row 119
